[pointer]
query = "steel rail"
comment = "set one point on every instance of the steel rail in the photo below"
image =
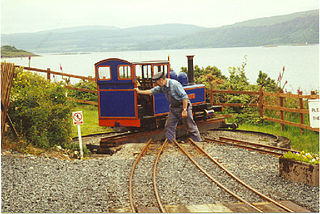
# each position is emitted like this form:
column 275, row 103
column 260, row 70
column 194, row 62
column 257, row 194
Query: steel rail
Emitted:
column 240, row 181
column 154, row 177
column 214, row 180
column 246, row 147
column 143, row 151
column 259, row 145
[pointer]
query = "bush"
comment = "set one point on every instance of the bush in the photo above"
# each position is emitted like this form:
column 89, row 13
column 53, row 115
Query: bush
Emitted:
column 81, row 95
column 39, row 110
column 236, row 81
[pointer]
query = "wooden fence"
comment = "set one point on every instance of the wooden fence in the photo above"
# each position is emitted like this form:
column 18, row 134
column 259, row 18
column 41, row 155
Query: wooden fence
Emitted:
column 262, row 105
column 49, row 72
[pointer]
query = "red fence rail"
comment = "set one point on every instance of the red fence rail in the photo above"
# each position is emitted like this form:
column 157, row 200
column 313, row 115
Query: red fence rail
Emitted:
column 262, row 105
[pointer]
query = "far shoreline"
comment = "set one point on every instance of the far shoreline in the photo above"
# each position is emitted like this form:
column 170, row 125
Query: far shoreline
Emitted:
column 19, row 56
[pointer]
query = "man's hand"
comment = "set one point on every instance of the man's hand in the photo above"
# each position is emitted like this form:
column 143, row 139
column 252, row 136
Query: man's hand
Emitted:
column 184, row 114
column 147, row 92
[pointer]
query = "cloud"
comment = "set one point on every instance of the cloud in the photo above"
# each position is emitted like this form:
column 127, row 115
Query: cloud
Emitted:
column 36, row 15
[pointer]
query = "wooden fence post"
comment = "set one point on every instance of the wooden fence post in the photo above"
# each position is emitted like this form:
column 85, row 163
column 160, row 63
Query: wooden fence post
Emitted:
column 281, row 111
column 7, row 73
column 48, row 74
column 261, row 102
column 301, row 115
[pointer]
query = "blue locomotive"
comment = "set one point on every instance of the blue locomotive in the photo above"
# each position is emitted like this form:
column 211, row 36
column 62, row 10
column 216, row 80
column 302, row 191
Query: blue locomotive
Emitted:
column 120, row 105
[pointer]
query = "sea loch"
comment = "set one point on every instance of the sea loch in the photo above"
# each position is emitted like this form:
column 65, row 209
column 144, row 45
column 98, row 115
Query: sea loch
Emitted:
column 301, row 62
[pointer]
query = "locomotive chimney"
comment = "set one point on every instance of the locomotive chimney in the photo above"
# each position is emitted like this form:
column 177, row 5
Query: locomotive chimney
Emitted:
column 190, row 70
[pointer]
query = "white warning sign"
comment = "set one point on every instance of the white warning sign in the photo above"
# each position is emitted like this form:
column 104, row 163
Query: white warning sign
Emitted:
column 314, row 113
column 77, row 117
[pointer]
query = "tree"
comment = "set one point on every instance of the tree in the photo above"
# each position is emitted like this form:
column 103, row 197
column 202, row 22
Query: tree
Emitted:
column 266, row 82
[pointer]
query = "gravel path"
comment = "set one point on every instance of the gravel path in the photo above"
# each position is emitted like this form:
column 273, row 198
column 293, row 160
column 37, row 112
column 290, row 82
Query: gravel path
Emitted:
column 32, row 184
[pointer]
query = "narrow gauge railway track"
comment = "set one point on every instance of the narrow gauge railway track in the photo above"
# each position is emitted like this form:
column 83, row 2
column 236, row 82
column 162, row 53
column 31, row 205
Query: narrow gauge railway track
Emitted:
column 142, row 153
column 234, row 177
column 161, row 150
column 273, row 150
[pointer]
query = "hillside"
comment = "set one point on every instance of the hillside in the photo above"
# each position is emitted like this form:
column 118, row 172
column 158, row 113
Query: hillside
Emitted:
column 295, row 31
column 10, row 51
column 292, row 29
column 95, row 38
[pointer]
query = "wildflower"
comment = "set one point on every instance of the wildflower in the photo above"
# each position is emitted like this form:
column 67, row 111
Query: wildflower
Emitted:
column 279, row 77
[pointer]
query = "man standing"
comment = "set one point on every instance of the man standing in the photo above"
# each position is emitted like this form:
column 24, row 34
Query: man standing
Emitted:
column 180, row 106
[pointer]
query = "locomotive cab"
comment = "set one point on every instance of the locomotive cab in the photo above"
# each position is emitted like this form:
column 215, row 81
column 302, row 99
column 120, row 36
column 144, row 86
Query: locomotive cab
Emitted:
column 117, row 98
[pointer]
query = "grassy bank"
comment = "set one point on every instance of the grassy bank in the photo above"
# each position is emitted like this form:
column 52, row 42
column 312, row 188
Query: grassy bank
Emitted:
column 307, row 141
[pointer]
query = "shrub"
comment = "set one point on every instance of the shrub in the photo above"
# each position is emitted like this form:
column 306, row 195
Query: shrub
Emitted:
column 39, row 110
column 81, row 95
column 236, row 81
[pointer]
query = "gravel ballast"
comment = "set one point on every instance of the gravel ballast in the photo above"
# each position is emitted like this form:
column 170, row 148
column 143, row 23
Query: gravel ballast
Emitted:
column 39, row 184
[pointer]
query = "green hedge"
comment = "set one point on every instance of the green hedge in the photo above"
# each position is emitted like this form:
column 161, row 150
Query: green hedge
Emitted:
column 40, row 111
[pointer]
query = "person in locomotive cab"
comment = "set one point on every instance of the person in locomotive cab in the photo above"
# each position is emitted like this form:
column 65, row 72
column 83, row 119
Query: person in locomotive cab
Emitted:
column 180, row 106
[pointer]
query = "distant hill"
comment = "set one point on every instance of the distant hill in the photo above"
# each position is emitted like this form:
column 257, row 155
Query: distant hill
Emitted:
column 10, row 51
column 277, row 19
column 96, row 38
column 293, row 29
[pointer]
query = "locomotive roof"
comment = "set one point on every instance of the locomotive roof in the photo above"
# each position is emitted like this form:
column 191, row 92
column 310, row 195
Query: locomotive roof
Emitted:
column 152, row 62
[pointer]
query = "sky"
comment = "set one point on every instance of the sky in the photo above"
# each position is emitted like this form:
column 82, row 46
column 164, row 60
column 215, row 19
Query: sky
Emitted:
column 19, row 16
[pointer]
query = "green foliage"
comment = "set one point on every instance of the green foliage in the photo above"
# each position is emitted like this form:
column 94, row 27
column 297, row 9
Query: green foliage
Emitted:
column 75, row 147
column 40, row 110
column 303, row 156
column 238, row 81
column 81, row 95
column 207, row 76
column 266, row 82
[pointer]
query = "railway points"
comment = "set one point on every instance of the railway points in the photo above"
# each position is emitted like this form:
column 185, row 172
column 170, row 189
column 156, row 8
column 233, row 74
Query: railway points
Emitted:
column 269, row 205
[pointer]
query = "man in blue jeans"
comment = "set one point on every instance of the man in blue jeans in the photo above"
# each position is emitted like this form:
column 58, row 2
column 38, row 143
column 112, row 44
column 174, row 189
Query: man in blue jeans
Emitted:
column 180, row 106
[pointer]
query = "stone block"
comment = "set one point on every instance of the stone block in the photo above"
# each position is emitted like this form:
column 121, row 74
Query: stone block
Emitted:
column 298, row 171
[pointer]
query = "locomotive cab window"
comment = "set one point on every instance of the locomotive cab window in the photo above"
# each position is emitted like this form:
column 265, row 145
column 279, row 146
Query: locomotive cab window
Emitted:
column 104, row 73
column 124, row 72
column 146, row 72
column 160, row 68
column 138, row 69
